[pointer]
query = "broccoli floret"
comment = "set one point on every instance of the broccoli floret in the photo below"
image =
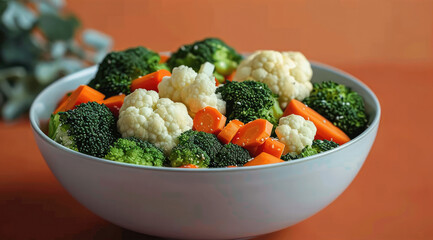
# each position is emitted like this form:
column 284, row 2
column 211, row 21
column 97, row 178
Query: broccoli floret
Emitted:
column 118, row 69
column 231, row 155
column 340, row 105
column 323, row 145
column 90, row 128
column 205, row 141
column 289, row 156
column 196, row 147
column 135, row 151
column 250, row 100
column 318, row 146
column 308, row 151
column 187, row 137
column 212, row 50
column 188, row 153
column 208, row 143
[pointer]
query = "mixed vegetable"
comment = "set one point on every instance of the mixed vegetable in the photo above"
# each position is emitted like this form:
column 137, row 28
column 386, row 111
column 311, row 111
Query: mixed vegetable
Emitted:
column 205, row 107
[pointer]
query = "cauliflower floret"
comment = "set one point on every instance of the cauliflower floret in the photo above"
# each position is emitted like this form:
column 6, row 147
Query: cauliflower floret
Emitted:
column 196, row 91
column 158, row 120
column 295, row 132
column 287, row 74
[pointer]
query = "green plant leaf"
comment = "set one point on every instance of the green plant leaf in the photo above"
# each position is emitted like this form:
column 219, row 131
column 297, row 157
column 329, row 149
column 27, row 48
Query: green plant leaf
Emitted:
column 45, row 8
column 19, row 50
column 58, row 49
column 97, row 40
column 17, row 17
column 55, row 27
column 16, row 106
column 3, row 6
column 30, row 60
column 47, row 72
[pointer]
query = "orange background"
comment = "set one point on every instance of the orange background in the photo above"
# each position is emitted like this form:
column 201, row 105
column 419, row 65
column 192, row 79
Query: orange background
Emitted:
column 331, row 31
column 387, row 44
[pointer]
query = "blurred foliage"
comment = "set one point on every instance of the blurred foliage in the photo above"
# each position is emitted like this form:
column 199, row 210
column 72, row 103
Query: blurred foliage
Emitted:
column 38, row 44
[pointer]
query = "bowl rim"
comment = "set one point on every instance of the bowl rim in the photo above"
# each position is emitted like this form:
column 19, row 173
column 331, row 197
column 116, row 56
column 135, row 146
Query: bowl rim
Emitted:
column 373, row 125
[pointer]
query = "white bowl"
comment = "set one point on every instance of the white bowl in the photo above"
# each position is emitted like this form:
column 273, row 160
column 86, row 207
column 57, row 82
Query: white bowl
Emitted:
column 205, row 203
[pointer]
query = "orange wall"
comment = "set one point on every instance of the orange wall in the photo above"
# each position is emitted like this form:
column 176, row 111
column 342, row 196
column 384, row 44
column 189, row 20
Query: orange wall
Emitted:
column 332, row 31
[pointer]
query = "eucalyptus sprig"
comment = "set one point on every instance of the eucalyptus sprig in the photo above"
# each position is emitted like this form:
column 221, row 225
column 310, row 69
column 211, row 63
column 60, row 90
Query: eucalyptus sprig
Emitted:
column 38, row 45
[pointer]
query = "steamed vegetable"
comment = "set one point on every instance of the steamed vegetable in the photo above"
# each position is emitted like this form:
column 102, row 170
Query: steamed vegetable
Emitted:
column 114, row 103
column 189, row 166
column 229, row 131
column 90, row 128
column 231, row 155
column 295, row 132
column 204, row 150
column 195, row 90
column 182, row 119
column 271, row 146
column 325, row 129
column 340, row 105
column 82, row 94
column 157, row 120
column 249, row 100
column 198, row 148
column 205, row 141
column 318, row 146
column 63, row 99
column 212, row 50
column 188, row 153
column 118, row 69
column 253, row 133
column 287, row 74
column 135, row 151
column 150, row 81
column 209, row 120
column 262, row 159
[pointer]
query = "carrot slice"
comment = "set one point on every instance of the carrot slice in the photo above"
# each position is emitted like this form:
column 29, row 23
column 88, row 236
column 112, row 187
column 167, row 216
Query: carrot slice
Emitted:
column 252, row 150
column 325, row 129
column 149, row 81
column 82, row 94
column 62, row 106
column 189, row 166
column 163, row 58
column 230, row 77
column 114, row 103
column 253, row 133
column 229, row 131
column 217, row 83
column 209, row 120
column 63, row 99
column 262, row 159
column 271, row 146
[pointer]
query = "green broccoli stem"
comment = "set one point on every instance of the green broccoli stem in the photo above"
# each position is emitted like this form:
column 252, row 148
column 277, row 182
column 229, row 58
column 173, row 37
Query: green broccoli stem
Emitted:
column 219, row 77
column 53, row 125
column 277, row 111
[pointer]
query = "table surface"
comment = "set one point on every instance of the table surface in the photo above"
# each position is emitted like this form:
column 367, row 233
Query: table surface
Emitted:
column 391, row 198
